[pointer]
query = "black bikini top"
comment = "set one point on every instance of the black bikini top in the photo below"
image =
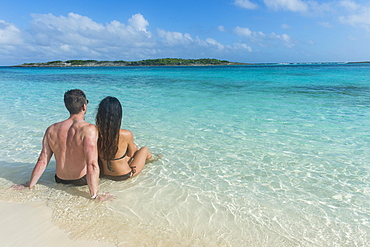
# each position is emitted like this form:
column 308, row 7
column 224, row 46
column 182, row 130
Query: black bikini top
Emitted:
column 123, row 156
column 110, row 165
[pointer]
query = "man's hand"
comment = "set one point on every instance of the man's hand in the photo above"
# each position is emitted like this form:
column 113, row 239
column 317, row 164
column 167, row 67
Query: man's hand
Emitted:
column 105, row 197
column 20, row 186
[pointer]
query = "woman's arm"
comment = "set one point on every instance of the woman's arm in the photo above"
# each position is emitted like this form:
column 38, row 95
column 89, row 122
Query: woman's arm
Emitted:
column 128, row 139
column 131, row 146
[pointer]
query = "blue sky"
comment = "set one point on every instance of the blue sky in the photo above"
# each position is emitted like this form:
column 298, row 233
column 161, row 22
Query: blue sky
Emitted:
column 256, row 31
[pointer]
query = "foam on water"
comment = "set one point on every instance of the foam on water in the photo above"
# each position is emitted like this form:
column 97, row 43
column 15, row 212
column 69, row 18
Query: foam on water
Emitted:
column 253, row 155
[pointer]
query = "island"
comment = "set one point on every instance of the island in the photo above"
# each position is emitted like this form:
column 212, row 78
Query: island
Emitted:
column 147, row 62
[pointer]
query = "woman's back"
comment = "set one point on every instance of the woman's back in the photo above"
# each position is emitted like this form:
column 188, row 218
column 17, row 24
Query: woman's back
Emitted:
column 126, row 150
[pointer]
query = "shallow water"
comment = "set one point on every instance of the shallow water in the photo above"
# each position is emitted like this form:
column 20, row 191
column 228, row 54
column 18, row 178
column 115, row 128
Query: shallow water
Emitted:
column 272, row 155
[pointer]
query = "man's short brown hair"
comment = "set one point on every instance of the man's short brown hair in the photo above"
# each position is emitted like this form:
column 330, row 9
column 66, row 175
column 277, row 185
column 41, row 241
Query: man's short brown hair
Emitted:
column 74, row 100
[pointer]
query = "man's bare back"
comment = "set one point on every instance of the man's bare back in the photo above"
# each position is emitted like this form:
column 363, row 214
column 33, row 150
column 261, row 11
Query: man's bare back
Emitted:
column 67, row 141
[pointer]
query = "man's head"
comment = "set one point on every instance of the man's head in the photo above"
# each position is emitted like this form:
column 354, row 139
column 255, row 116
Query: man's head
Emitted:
column 74, row 100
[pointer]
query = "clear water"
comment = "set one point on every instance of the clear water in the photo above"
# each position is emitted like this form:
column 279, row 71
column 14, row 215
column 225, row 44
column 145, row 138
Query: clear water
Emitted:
column 272, row 155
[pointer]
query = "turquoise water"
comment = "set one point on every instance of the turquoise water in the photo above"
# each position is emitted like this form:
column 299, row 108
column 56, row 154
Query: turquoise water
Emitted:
column 274, row 155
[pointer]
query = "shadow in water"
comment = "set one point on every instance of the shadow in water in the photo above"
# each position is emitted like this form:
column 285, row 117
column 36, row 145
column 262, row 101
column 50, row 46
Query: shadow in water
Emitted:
column 19, row 173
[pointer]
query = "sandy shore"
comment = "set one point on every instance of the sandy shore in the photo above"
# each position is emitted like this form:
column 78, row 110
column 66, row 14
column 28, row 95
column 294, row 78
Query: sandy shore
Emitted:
column 30, row 224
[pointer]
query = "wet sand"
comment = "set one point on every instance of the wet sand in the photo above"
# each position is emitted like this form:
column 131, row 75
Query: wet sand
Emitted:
column 30, row 224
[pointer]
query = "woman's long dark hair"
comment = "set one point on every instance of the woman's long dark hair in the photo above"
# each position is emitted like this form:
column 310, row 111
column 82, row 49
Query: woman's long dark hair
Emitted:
column 108, row 121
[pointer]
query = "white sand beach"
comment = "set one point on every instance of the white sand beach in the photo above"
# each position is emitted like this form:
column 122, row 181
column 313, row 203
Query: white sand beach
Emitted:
column 30, row 224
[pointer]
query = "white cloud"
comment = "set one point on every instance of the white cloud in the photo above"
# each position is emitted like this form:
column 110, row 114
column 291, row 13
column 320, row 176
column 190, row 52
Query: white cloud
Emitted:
column 262, row 38
column 65, row 48
column 72, row 22
column 174, row 38
column 74, row 36
column 221, row 28
column 349, row 5
column 362, row 18
column 287, row 40
column 285, row 26
column 307, row 8
column 291, row 5
column 246, row 4
column 80, row 33
column 325, row 24
column 358, row 15
column 243, row 31
column 138, row 22
column 242, row 46
column 214, row 43
column 9, row 34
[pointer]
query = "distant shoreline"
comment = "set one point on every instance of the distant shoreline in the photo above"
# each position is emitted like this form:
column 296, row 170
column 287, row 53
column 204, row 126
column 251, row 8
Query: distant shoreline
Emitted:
column 159, row 62
column 121, row 63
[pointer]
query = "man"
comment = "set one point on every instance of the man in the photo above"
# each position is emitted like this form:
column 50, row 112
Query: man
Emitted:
column 74, row 145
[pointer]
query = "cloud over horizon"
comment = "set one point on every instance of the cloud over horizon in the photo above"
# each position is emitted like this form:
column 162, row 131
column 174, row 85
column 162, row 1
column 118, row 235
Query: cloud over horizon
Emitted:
column 76, row 36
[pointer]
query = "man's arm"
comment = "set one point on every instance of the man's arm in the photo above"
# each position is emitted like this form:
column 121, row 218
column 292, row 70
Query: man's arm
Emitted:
column 42, row 161
column 91, row 155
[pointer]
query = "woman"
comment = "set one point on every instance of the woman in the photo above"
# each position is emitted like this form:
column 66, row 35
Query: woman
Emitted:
column 119, row 156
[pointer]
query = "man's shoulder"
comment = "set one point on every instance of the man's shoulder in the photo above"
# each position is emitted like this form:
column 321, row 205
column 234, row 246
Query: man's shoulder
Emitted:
column 60, row 124
column 90, row 129
column 91, row 126
column 55, row 126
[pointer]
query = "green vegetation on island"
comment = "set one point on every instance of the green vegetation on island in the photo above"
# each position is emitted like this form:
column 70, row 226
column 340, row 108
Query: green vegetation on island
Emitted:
column 360, row 62
column 148, row 62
